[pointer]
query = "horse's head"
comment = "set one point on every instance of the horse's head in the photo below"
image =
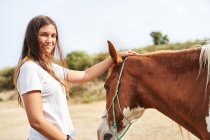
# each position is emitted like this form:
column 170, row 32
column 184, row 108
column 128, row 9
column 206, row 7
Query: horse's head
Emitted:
column 121, row 99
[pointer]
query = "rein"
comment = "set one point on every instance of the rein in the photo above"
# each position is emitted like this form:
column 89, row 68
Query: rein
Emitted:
column 115, row 97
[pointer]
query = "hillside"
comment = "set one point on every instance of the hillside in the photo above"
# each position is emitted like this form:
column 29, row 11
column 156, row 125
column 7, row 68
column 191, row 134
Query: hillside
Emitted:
column 91, row 91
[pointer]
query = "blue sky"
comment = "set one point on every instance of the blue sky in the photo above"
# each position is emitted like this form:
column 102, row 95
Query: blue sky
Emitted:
column 88, row 24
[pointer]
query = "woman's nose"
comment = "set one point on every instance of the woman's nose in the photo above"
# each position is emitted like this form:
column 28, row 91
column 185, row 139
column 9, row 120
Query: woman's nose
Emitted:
column 49, row 39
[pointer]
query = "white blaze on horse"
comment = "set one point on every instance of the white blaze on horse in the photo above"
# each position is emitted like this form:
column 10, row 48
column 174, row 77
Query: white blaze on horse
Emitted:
column 173, row 82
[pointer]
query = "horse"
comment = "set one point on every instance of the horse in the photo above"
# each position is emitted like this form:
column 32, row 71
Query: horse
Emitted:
column 173, row 82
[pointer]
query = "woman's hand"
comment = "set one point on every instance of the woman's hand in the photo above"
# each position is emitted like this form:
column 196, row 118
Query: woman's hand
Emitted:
column 128, row 53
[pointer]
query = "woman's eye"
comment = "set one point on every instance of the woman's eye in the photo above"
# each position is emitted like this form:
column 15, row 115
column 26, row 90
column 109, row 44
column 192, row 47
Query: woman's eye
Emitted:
column 44, row 35
column 53, row 36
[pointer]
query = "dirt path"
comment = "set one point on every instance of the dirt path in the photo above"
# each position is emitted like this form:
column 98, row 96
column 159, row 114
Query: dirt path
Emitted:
column 86, row 117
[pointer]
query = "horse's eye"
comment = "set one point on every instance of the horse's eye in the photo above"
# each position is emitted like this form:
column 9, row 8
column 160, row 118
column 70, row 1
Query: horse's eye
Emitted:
column 106, row 86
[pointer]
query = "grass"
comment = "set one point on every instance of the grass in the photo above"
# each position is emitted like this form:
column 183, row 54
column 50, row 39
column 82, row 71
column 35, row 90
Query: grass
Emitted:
column 88, row 92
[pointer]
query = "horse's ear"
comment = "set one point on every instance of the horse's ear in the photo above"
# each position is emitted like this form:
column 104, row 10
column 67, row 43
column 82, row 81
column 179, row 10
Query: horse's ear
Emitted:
column 114, row 54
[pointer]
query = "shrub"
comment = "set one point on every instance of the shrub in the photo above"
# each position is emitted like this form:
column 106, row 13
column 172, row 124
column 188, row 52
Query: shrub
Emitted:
column 6, row 78
column 78, row 60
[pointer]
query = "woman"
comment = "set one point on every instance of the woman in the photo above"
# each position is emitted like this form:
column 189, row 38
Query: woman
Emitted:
column 43, row 84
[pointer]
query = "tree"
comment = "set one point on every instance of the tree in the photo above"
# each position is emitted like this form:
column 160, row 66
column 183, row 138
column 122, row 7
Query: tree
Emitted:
column 159, row 38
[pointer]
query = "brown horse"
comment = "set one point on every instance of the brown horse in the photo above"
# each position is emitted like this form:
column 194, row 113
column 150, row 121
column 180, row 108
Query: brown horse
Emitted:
column 173, row 82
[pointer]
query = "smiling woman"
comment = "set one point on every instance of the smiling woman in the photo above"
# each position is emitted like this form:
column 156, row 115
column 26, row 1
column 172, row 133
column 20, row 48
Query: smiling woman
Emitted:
column 42, row 84
column 47, row 39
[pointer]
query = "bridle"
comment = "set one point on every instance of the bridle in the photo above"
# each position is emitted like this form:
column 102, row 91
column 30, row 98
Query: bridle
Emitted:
column 114, row 98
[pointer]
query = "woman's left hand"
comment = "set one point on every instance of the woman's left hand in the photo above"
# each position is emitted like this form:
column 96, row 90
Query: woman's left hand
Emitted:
column 128, row 53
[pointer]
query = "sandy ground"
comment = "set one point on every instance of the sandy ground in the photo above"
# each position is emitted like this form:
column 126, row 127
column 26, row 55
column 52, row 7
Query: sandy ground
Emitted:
column 86, row 117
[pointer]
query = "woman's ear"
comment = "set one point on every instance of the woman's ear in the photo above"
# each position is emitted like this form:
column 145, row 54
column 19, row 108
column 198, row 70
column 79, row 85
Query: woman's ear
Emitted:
column 114, row 54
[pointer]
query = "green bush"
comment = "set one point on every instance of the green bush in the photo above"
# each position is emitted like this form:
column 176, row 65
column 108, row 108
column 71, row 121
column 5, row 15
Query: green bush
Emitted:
column 78, row 60
column 6, row 78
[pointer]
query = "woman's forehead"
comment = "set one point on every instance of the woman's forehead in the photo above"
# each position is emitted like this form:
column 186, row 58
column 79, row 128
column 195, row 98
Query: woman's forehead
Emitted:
column 48, row 28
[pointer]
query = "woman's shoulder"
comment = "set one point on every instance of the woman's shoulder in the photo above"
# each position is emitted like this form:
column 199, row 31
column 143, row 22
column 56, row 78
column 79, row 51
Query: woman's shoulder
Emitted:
column 29, row 65
column 58, row 69
column 56, row 66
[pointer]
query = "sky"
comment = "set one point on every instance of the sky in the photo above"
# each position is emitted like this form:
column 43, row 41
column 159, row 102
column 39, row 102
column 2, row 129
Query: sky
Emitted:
column 87, row 24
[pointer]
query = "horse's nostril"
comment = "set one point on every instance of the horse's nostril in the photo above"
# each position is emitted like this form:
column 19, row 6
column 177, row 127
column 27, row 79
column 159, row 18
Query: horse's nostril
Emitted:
column 107, row 136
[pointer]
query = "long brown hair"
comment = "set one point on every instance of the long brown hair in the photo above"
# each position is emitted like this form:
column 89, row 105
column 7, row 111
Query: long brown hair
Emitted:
column 32, row 51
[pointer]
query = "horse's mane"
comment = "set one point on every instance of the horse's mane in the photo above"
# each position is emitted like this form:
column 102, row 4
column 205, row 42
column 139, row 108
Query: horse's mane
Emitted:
column 171, row 52
column 204, row 62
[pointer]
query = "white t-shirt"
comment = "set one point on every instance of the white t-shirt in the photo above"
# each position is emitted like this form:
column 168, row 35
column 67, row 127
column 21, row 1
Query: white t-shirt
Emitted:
column 33, row 77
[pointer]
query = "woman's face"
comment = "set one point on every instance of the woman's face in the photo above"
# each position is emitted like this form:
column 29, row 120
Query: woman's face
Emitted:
column 47, row 38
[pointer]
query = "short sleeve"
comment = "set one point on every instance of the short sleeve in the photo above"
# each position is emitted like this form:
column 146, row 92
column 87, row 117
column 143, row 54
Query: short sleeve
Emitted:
column 60, row 71
column 29, row 78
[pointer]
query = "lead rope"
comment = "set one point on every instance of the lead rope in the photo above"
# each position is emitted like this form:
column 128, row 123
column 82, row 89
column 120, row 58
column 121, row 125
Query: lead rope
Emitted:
column 113, row 100
column 116, row 95
column 114, row 126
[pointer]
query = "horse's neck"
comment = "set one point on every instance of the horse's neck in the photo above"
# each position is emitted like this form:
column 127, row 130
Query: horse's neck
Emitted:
column 168, row 75
column 168, row 82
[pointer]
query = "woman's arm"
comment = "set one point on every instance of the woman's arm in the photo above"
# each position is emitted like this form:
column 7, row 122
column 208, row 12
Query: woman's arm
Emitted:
column 94, row 71
column 33, row 106
column 90, row 73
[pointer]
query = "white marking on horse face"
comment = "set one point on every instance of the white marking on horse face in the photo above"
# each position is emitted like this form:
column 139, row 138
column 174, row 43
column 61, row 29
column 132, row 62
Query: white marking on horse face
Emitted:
column 208, row 118
column 103, row 128
column 208, row 122
column 132, row 114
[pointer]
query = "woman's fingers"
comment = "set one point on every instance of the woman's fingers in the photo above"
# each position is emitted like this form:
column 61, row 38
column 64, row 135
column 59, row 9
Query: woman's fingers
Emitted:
column 131, row 53
column 128, row 53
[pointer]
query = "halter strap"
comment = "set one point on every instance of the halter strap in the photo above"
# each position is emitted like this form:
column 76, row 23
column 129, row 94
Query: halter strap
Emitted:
column 114, row 126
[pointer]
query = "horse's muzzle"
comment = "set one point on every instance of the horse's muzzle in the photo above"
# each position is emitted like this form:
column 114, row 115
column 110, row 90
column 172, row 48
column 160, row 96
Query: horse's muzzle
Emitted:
column 107, row 136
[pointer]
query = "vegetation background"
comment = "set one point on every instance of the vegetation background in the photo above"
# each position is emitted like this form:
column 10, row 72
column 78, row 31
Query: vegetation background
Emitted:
column 80, row 60
column 86, row 115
